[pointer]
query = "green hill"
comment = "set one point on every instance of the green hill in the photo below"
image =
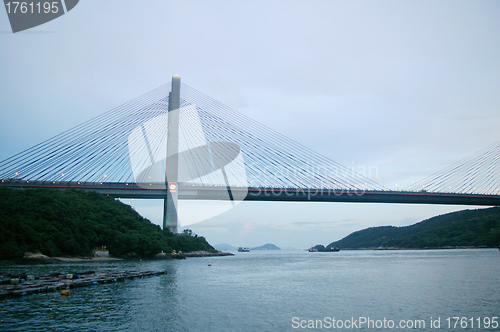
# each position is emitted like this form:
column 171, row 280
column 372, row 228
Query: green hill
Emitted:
column 468, row 228
column 267, row 246
column 72, row 223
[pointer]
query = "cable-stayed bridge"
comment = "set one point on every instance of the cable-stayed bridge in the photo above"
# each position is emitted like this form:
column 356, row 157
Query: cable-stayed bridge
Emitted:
column 176, row 143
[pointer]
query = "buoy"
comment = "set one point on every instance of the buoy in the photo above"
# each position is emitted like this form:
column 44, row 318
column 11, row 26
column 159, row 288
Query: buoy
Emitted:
column 66, row 291
column 209, row 264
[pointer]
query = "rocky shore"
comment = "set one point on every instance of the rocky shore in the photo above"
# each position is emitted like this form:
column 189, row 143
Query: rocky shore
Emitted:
column 207, row 254
column 181, row 255
column 38, row 258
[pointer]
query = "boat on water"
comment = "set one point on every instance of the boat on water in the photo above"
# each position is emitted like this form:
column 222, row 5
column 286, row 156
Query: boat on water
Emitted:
column 312, row 249
column 241, row 249
column 334, row 249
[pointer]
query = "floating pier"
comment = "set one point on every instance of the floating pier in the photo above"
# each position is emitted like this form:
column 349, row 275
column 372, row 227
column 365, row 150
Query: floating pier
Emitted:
column 45, row 283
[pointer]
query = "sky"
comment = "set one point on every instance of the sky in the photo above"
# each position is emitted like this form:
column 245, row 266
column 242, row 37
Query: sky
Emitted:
column 403, row 88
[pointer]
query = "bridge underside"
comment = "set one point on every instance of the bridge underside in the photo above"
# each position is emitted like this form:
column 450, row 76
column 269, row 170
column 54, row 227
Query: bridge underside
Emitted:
column 158, row 191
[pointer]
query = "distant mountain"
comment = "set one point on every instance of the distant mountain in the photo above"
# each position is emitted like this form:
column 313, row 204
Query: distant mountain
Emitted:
column 467, row 228
column 225, row 247
column 267, row 246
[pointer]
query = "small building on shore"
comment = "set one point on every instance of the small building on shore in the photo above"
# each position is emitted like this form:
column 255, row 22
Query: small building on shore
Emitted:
column 100, row 252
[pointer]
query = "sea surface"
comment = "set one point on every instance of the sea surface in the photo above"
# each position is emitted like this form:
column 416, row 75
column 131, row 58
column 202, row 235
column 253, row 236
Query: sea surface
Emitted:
column 275, row 291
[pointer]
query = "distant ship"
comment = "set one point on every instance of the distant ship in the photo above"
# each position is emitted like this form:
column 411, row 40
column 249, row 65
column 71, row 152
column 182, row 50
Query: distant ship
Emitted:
column 241, row 249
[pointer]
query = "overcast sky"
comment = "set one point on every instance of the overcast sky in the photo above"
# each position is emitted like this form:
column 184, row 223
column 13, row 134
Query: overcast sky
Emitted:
column 407, row 88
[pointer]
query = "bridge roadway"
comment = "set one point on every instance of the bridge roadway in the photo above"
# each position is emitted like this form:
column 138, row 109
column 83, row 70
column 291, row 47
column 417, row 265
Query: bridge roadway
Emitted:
column 158, row 191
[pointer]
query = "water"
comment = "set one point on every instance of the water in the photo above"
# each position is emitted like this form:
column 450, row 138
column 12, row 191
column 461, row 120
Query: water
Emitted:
column 264, row 291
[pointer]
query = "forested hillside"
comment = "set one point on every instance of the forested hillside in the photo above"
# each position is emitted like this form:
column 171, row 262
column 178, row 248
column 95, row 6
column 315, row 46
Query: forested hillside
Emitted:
column 476, row 228
column 72, row 223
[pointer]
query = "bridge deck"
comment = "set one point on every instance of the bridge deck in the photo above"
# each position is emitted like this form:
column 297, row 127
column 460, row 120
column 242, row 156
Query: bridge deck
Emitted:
column 158, row 191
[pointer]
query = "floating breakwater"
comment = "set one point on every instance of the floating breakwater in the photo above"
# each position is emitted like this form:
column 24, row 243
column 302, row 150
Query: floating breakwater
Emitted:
column 45, row 283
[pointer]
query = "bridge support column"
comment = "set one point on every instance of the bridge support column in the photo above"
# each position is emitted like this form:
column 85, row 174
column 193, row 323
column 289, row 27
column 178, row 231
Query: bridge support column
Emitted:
column 172, row 162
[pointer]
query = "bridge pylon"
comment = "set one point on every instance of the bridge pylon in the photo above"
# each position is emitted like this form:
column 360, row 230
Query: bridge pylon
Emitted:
column 172, row 161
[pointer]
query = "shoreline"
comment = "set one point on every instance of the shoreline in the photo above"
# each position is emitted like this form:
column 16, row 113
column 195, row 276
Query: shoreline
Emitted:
column 85, row 259
column 37, row 258
column 427, row 248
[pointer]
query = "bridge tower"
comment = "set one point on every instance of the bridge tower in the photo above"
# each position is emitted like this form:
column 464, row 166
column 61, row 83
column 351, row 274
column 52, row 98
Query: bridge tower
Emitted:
column 172, row 160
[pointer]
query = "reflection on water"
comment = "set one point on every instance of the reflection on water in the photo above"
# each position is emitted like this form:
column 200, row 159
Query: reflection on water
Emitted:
column 263, row 291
